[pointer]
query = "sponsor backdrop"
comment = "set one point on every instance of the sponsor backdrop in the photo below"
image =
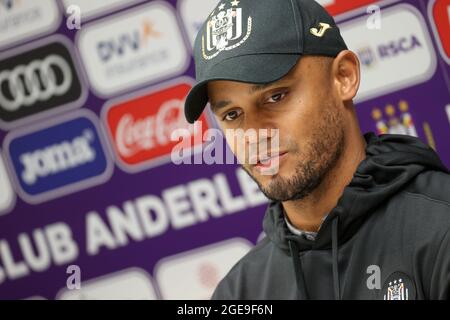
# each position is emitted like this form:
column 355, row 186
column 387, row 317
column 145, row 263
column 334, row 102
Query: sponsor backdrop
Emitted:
column 88, row 190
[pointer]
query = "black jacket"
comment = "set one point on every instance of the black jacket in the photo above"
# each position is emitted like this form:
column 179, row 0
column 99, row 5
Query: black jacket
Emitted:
column 387, row 238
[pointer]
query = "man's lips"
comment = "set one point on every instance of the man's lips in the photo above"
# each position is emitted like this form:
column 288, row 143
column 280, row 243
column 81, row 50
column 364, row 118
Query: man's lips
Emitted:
column 265, row 162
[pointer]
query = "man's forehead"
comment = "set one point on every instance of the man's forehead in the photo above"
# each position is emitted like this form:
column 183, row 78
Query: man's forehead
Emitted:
column 257, row 87
column 250, row 88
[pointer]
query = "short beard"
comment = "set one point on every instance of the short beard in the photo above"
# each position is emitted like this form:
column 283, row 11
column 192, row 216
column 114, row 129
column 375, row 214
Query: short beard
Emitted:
column 320, row 156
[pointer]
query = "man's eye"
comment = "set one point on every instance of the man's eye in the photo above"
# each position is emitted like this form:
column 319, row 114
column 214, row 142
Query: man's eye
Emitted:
column 276, row 97
column 230, row 116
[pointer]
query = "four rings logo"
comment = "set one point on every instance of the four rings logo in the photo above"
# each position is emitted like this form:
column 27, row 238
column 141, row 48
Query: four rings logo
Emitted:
column 58, row 157
column 140, row 128
column 22, row 85
column 39, row 80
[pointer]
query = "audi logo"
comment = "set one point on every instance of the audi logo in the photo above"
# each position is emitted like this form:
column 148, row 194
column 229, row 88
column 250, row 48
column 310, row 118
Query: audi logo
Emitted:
column 37, row 81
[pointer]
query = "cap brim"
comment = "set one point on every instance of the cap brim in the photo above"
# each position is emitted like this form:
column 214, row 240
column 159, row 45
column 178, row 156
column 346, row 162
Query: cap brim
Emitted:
column 257, row 69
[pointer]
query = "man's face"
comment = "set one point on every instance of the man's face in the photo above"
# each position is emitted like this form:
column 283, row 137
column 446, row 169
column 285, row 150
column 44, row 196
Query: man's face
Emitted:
column 304, row 108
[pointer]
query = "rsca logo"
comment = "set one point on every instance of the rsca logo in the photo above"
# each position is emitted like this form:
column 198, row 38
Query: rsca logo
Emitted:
column 390, row 49
column 37, row 81
column 396, row 47
column 399, row 58
column 58, row 159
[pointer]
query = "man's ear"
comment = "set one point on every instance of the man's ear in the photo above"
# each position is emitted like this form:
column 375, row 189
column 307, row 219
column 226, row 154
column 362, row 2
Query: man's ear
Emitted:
column 346, row 74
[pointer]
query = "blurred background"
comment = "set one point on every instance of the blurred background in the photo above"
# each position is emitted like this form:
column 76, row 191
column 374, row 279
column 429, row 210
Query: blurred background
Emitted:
column 91, row 205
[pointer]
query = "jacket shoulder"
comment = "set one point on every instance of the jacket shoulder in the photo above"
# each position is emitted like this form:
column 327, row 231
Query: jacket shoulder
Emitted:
column 423, row 205
column 433, row 186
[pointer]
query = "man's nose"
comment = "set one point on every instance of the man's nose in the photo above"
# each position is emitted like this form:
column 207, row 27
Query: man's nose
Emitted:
column 261, row 140
column 252, row 120
column 265, row 129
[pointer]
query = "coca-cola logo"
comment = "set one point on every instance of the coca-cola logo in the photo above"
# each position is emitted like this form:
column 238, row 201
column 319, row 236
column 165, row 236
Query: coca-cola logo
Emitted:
column 134, row 135
column 141, row 126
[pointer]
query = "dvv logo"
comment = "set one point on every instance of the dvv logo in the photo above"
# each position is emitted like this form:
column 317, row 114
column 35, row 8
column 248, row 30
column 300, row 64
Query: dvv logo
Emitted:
column 56, row 159
column 127, row 43
column 127, row 50
column 38, row 80
column 140, row 127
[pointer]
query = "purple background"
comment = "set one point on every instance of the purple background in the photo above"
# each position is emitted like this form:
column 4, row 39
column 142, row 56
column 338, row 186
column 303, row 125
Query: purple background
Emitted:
column 427, row 103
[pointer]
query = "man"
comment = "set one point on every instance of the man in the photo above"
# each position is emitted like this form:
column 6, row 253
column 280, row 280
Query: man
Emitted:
column 352, row 216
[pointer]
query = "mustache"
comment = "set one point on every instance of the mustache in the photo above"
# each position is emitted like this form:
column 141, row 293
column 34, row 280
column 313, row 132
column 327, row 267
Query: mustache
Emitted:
column 264, row 156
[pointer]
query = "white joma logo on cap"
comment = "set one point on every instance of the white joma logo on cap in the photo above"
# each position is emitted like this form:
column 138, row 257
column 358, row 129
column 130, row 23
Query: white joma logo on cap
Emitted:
column 321, row 30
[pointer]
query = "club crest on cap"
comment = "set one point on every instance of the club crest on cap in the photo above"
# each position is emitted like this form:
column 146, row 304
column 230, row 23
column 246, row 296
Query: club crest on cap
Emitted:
column 225, row 30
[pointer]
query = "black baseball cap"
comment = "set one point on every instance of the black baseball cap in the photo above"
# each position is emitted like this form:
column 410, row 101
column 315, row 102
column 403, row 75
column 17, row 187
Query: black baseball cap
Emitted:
column 258, row 41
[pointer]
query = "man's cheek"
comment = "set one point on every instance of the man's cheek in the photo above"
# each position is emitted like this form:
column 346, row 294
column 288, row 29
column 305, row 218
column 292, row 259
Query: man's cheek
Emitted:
column 237, row 147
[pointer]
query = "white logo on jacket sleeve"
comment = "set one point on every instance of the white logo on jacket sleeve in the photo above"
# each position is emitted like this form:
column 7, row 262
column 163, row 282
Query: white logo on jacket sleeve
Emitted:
column 399, row 286
column 396, row 291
